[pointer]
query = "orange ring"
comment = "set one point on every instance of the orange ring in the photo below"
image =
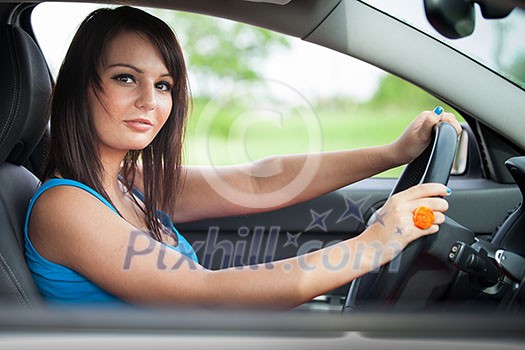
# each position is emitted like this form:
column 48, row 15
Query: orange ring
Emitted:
column 423, row 217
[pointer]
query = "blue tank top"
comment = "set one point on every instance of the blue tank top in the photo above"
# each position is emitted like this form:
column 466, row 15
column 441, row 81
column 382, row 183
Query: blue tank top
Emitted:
column 60, row 284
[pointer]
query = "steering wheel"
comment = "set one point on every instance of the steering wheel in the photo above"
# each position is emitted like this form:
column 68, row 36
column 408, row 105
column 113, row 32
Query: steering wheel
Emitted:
column 433, row 165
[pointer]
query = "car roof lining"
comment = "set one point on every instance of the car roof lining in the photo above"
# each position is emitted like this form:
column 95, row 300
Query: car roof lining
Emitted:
column 296, row 18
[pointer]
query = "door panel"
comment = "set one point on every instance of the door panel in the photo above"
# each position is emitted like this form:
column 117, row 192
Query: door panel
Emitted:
column 478, row 204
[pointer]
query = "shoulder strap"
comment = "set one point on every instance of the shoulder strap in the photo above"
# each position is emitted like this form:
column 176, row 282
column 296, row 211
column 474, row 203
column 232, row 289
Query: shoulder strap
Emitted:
column 134, row 190
column 162, row 216
column 63, row 182
column 138, row 193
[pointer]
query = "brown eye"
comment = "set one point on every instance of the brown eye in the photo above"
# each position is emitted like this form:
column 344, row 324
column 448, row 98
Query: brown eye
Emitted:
column 124, row 78
column 163, row 86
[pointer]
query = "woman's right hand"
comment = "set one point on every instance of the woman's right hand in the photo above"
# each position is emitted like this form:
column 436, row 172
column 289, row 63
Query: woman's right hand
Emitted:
column 394, row 226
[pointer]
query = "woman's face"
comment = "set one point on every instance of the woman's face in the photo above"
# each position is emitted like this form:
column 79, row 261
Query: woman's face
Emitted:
column 135, row 98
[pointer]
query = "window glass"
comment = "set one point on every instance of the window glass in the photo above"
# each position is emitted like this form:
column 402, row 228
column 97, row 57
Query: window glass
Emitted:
column 257, row 93
column 497, row 44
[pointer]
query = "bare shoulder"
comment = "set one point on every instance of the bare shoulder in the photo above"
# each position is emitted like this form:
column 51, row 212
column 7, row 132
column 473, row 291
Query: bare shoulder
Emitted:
column 66, row 217
column 71, row 227
column 60, row 204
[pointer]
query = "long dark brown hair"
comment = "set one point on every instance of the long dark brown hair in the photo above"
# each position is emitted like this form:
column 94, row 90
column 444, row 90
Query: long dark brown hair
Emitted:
column 73, row 149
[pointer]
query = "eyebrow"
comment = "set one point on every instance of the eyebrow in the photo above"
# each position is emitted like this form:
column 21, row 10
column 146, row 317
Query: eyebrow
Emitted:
column 138, row 70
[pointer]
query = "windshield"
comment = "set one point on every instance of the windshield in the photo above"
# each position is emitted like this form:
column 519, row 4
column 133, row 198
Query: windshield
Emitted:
column 496, row 44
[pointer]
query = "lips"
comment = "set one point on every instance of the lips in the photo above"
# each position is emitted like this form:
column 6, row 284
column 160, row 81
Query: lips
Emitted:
column 140, row 124
column 141, row 121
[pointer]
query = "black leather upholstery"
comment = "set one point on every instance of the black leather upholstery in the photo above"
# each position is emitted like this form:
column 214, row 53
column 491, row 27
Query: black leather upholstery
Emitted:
column 16, row 284
column 25, row 88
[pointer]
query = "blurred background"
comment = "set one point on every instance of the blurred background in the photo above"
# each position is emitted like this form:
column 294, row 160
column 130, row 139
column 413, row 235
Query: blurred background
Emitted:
column 258, row 93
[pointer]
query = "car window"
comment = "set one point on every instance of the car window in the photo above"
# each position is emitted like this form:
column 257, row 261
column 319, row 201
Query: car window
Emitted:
column 258, row 93
column 497, row 44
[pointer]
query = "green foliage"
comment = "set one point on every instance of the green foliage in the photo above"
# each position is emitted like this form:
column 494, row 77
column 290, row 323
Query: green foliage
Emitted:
column 220, row 48
column 344, row 123
column 394, row 91
column 516, row 70
column 341, row 128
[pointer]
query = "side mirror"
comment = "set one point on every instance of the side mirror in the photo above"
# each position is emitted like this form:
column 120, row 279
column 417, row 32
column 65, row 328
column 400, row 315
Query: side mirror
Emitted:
column 460, row 160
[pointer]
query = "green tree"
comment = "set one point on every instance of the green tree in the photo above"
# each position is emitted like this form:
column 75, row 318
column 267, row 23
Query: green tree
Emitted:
column 217, row 48
column 509, row 51
column 396, row 92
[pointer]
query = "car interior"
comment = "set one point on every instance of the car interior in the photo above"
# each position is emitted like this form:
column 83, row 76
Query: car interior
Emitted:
column 26, row 88
column 477, row 262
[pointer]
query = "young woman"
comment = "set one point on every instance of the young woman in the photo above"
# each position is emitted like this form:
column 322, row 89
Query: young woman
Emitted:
column 114, row 182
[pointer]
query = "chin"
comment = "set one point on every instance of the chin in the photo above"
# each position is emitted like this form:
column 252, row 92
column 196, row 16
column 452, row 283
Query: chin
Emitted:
column 138, row 147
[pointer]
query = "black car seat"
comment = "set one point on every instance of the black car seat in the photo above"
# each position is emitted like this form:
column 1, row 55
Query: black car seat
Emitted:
column 25, row 88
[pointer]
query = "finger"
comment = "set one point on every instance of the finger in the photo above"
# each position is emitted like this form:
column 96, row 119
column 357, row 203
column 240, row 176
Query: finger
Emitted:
column 436, row 204
column 431, row 118
column 439, row 218
column 431, row 230
column 447, row 117
column 451, row 118
column 424, row 190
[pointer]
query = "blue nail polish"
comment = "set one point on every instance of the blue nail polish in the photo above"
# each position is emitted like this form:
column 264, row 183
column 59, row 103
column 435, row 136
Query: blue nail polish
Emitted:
column 449, row 191
column 438, row 110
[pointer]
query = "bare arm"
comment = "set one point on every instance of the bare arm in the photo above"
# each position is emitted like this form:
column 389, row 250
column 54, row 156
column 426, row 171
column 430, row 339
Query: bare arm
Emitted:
column 89, row 238
column 281, row 181
column 275, row 182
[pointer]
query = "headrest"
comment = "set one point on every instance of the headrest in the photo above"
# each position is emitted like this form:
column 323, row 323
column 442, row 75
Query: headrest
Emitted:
column 25, row 90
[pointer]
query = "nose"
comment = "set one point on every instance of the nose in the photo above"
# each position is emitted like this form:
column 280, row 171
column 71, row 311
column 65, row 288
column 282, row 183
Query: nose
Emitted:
column 146, row 99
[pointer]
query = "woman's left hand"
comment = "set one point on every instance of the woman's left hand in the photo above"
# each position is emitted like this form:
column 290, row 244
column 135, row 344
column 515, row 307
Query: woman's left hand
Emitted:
column 417, row 135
